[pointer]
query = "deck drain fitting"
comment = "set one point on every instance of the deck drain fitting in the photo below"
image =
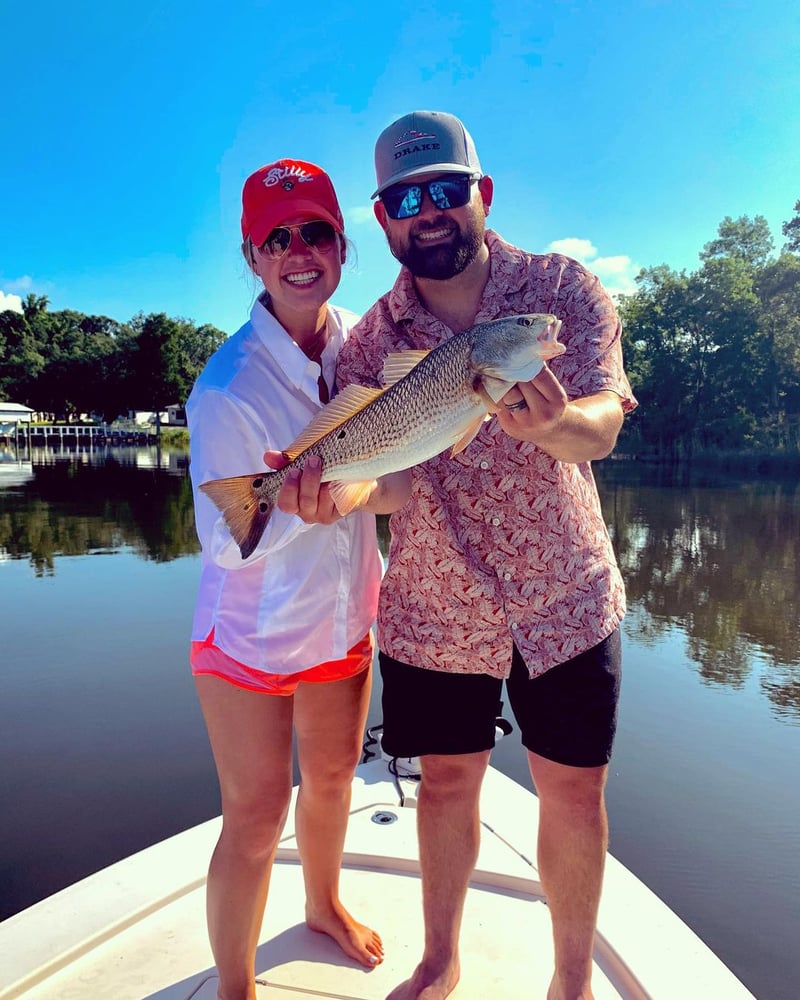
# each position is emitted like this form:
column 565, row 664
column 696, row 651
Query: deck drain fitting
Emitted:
column 383, row 817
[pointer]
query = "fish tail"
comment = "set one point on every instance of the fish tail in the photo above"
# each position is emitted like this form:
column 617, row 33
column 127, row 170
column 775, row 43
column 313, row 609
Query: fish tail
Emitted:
column 244, row 507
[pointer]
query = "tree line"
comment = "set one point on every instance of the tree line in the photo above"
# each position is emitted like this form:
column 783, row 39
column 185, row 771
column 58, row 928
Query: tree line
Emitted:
column 714, row 355
column 67, row 363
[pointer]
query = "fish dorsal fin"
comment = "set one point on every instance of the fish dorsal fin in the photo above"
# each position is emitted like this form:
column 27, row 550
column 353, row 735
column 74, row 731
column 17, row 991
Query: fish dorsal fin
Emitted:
column 399, row 364
column 350, row 401
column 472, row 429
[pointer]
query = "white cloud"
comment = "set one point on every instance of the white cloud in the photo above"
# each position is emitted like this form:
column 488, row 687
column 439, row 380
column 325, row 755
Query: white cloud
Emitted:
column 360, row 214
column 573, row 246
column 12, row 302
column 19, row 286
column 617, row 273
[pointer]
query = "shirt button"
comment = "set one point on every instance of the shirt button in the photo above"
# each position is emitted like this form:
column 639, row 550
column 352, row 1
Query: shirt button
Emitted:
column 484, row 464
column 495, row 521
column 514, row 626
column 506, row 576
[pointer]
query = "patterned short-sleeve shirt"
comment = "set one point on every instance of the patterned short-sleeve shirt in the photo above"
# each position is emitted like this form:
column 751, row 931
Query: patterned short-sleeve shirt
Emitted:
column 501, row 544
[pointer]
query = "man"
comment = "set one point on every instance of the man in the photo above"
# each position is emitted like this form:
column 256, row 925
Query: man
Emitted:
column 500, row 566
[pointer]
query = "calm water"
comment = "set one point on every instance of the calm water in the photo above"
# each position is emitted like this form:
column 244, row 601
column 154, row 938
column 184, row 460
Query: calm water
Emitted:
column 103, row 749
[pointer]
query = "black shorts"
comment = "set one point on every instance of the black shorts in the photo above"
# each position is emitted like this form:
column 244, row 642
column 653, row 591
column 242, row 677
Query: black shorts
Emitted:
column 568, row 714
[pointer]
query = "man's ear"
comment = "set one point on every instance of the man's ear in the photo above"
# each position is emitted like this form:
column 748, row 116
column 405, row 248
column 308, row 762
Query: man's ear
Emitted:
column 380, row 214
column 486, row 188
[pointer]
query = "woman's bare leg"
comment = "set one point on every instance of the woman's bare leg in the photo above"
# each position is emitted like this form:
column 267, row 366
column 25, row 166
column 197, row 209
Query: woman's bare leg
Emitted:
column 251, row 738
column 329, row 722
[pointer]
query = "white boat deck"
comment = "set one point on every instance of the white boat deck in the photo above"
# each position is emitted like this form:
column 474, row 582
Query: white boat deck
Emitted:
column 136, row 931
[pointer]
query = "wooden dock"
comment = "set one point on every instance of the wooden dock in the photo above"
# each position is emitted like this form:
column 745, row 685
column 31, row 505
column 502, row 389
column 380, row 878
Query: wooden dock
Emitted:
column 76, row 434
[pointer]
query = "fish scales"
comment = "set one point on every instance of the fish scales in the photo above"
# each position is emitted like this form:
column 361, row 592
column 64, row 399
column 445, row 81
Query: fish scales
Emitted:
column 429, row 405
column 413, row 420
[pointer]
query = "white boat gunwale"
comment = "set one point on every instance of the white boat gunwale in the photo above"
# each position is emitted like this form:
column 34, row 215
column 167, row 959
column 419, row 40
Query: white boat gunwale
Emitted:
column 642, row 947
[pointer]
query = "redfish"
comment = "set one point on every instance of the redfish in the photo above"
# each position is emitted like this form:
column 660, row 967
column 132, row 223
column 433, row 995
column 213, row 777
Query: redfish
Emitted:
column 430, row 401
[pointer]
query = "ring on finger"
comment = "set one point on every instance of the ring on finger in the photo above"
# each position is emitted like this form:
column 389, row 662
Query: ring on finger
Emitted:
column 519, row 405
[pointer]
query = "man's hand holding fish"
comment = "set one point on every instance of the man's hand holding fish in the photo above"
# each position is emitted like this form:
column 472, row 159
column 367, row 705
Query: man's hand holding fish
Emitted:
column 581, row 430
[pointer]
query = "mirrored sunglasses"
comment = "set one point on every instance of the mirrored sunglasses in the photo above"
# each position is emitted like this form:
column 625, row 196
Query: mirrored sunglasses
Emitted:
column 319, row 235
column 404, row 201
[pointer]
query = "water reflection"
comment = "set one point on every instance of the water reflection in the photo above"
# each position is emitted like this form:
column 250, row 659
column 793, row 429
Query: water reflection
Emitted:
column 721, row 561
column 95, row 501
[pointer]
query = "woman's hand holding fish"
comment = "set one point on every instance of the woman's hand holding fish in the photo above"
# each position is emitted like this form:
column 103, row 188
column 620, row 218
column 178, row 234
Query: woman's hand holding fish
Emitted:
column 581, row 430
column 303, row 493
column 307, row 496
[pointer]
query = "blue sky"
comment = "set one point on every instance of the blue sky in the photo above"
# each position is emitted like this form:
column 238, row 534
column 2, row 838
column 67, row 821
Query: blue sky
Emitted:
column 622, row 133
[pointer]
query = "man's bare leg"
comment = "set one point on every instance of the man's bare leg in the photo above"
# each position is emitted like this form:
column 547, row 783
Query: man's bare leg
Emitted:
column 573, row 838
column 448, row 827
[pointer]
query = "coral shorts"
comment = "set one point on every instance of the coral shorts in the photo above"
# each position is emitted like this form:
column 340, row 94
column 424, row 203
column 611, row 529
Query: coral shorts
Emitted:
column 206, row 658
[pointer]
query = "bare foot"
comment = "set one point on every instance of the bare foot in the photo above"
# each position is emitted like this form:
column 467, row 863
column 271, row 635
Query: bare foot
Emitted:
column 428, row 984
column 359, row 942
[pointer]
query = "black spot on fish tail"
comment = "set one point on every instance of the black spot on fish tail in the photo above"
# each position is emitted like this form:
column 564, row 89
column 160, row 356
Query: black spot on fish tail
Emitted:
column 258, row 523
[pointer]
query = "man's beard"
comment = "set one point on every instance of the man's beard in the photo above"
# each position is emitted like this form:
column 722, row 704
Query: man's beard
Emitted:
column 443, row 261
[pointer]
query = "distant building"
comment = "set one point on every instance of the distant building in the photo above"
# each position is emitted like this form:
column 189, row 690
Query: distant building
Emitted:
column 143, row 418
column 12, row 414
column 176, row 415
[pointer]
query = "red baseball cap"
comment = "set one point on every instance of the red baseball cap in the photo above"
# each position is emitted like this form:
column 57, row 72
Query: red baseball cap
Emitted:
column 284, row 189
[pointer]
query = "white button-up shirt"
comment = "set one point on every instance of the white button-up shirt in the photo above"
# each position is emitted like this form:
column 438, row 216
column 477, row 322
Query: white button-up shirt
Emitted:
column 308, row 592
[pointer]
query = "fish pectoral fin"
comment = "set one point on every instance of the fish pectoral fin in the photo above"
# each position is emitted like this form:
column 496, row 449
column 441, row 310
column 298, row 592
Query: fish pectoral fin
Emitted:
column 494, row 387
column 488, row 402
column 342, row 407
column 349, row 496
column 472, row 429
column 399, row 364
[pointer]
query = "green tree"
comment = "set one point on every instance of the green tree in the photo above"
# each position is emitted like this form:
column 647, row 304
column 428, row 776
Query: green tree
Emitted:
column 169, row 354
column 657, row 348
column 749, row 239
column 791, row 230
column 692, row 350
column 779, row 328
column 21, row 361
column 726, row 311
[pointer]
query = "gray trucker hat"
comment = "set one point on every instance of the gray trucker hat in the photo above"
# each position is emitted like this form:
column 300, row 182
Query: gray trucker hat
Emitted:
column 420, row 142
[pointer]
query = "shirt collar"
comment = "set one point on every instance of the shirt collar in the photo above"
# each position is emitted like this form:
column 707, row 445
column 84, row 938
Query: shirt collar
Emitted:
column 290, row 358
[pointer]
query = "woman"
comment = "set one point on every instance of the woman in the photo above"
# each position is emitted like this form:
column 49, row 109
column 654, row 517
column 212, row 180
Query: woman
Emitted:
column 281, row 640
